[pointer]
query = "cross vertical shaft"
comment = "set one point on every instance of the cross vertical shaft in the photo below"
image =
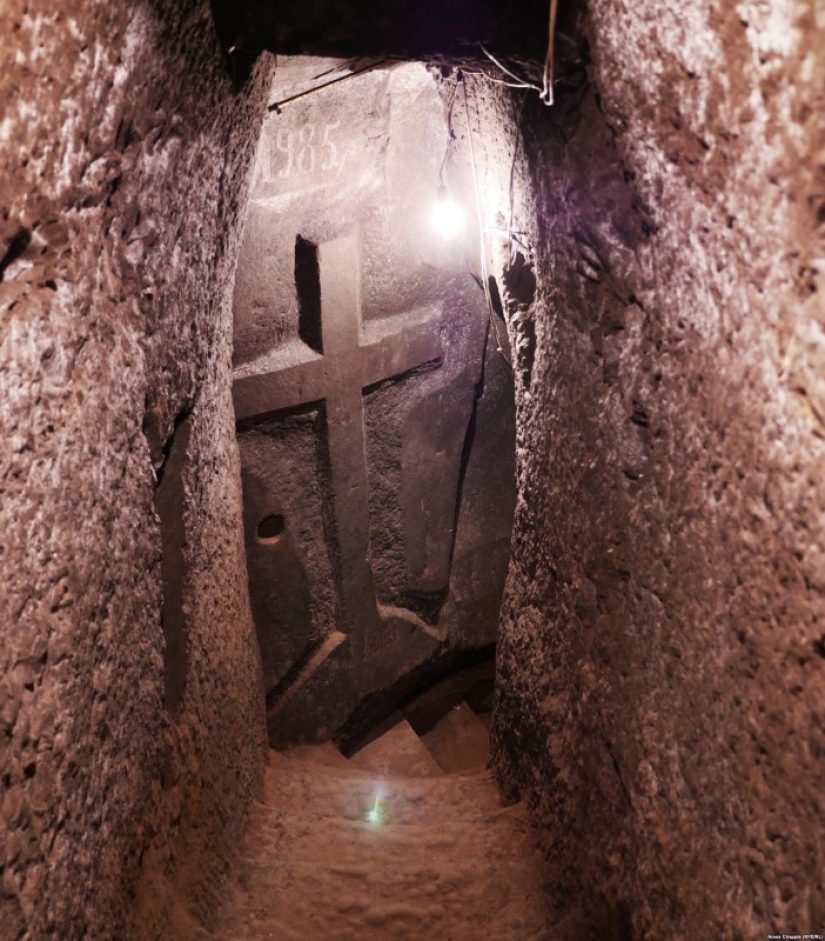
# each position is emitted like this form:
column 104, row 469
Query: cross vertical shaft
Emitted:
column 384, row 641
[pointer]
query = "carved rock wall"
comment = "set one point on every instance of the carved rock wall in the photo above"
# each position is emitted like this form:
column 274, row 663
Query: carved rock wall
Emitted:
column 661, row 675
column 368, row 397
column 131, row 725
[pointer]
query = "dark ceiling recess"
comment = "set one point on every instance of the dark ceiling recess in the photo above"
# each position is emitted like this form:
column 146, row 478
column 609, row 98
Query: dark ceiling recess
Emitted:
column 395, row 29
column 239, row 60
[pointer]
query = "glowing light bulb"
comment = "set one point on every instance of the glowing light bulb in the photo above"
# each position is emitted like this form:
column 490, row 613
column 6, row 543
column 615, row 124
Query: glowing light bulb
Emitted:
column 447, row 216
column 376, row 813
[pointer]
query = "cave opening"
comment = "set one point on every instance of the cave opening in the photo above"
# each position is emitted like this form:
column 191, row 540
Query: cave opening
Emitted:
column 374, row 390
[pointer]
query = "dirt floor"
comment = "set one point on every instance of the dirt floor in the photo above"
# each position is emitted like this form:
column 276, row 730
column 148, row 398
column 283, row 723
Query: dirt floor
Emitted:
column 388, row 845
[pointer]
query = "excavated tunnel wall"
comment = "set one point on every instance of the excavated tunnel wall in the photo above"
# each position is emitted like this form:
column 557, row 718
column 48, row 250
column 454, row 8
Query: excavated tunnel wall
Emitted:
column 124, row 156
column 661, row 678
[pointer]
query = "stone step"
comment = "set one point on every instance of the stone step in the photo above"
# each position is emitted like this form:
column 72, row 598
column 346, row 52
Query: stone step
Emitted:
column 326, row 754
column 346, row 853
column 459, row 741
column 473, row 685
column 398, row 752
column 298, row 786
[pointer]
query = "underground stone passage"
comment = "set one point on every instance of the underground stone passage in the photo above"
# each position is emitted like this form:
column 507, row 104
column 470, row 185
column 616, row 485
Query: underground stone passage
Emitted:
column 365, row 581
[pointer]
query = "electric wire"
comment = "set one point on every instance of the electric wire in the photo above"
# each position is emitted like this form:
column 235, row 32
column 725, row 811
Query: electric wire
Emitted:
column 517, row 78
column 450, row 134
column 496, row 81
column 549, row 60
column 277, row 105
column 499, row 81
column 485, row 284
column 545, row 92
column 511, row 235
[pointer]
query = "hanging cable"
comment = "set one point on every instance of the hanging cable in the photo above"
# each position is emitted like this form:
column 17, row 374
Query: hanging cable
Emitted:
column 450, row 135
column 499, row 81
column 549, row 60
column 545, row 92
column 496, row 81
column 511, row 235
column 485, row 283
column 521, row 82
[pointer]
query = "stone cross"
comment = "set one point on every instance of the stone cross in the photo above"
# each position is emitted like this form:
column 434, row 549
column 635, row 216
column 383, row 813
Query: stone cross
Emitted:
column 356, row 354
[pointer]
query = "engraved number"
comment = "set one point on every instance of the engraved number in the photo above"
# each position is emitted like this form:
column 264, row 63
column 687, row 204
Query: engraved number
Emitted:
column 285, row 144
column 294, row 152
column 331, row 161
column 306, row 155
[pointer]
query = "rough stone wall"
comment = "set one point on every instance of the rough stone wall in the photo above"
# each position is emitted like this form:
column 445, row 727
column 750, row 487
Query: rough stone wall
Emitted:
column 661, row 690
column 124, row 779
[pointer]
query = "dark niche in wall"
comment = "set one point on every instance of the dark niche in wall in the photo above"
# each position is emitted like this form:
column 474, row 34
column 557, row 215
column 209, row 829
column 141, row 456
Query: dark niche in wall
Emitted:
column 170, row 506
column 308, row 288
column 271, row 528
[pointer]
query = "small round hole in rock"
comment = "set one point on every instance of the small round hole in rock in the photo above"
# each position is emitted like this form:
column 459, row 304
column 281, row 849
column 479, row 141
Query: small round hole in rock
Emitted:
column 271, row 528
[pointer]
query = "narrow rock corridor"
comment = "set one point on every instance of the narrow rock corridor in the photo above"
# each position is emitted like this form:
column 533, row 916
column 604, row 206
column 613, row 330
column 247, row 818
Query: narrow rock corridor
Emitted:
column 279, row 452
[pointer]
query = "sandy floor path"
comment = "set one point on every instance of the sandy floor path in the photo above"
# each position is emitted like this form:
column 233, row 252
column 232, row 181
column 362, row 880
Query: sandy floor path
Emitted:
column 341, row 853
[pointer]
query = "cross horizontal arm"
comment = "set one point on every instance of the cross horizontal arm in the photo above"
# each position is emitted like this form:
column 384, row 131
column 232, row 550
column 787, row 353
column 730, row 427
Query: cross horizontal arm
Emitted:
column 398, row 353
column 274, row 391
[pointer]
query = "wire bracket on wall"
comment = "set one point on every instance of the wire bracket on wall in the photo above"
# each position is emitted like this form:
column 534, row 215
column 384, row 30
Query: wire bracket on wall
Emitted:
column 545, row 92
column 549, row 59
